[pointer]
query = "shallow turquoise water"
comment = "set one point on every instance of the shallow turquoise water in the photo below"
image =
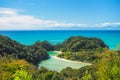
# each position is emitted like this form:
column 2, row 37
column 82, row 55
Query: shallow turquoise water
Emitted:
column 58, row 65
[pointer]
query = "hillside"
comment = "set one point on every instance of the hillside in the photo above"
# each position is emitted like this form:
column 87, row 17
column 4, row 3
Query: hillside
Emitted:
column 79, row 43
column 33, row 54
column 82, row 49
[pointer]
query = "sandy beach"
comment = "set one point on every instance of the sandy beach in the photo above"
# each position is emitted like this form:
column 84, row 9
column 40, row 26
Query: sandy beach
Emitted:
column 59, row 52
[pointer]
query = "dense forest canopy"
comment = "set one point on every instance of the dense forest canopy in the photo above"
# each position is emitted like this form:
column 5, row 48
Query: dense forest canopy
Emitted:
column 79, row 43
column 33, row 53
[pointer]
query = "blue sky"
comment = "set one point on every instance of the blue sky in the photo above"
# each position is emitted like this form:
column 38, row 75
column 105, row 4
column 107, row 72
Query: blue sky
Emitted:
column 59, row 14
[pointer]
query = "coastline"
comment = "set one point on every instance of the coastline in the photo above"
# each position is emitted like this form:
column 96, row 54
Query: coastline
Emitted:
column 59, row 52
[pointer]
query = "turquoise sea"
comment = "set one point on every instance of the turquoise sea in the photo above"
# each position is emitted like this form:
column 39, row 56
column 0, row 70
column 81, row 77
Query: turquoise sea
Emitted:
column 110, row 37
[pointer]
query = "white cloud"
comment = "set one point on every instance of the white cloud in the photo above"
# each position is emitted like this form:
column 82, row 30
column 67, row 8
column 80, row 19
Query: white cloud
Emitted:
column 8, row 11
column 108, row 24
column 68, row 25
column 10, row 19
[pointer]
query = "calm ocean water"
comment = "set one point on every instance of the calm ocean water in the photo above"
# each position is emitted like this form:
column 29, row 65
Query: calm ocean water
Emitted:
column 111, row 38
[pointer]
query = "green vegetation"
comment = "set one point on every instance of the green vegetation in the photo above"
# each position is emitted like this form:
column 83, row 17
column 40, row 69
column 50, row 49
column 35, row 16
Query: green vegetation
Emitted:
column 16, row 59
column 16, row 69
column 106, row 68
column 46, row 45
column 33, row 54
column 84, row 56
column 82, row 49
column 78, row 43
column 13, row 69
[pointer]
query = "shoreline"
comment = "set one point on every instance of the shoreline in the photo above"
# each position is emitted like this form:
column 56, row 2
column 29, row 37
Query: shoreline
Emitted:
column 59, row 52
